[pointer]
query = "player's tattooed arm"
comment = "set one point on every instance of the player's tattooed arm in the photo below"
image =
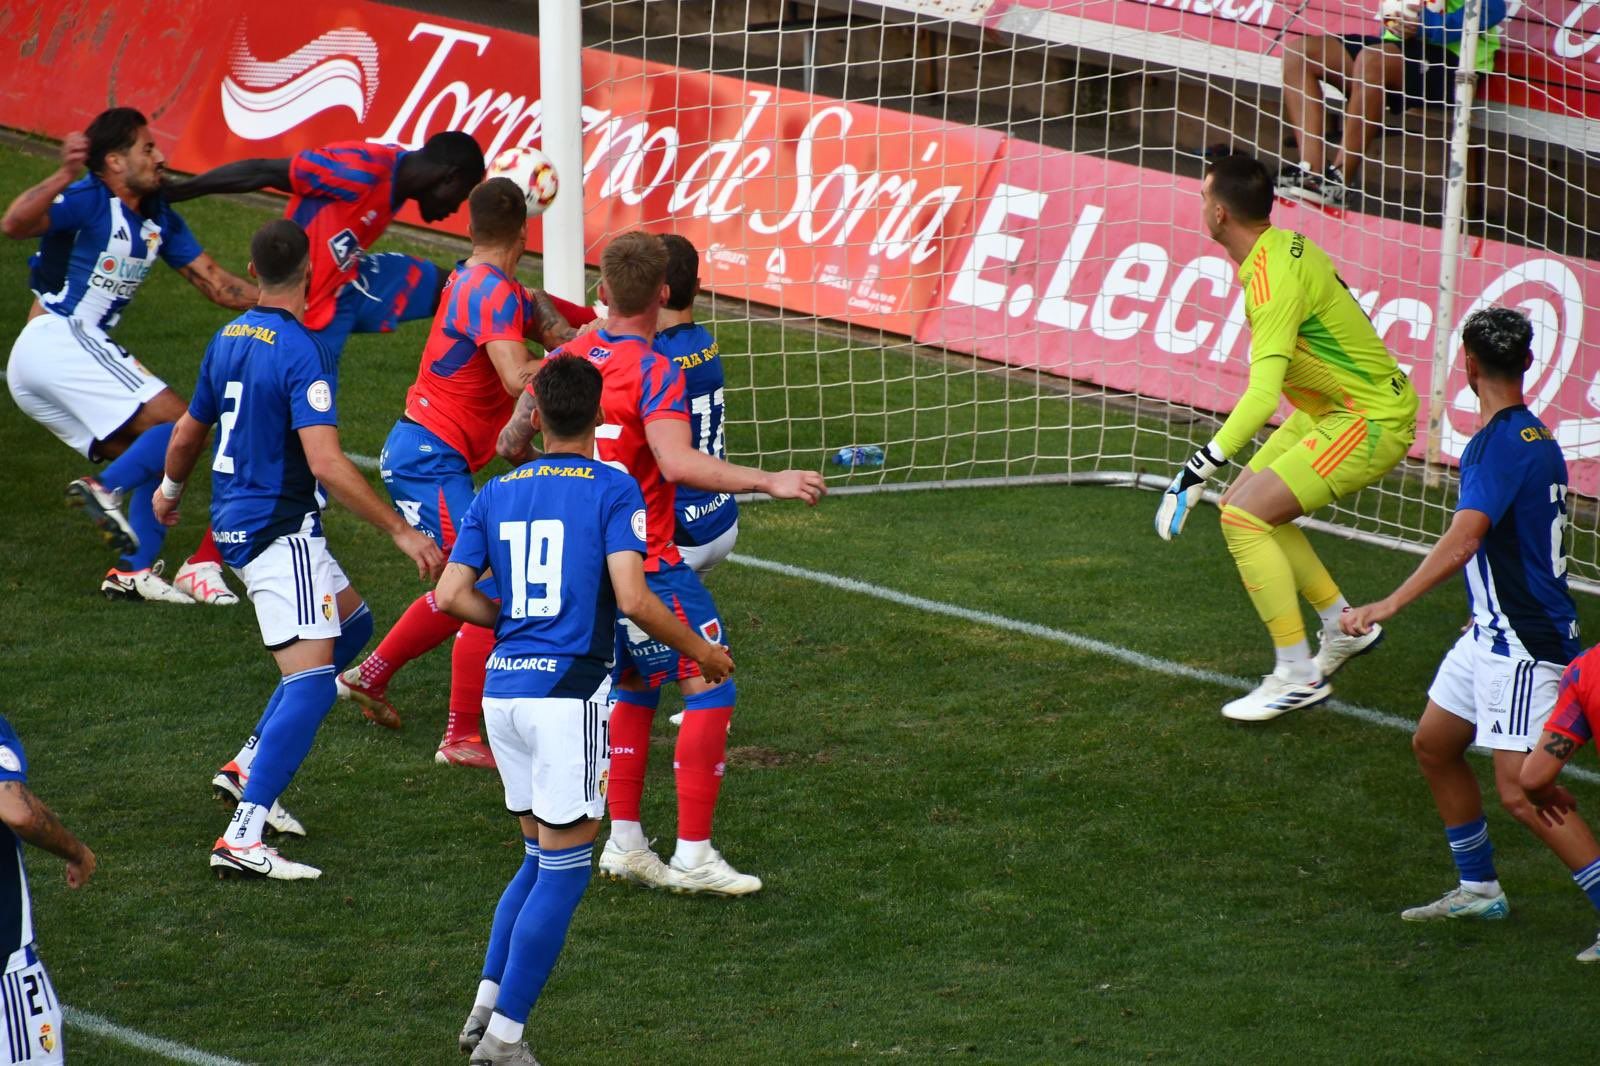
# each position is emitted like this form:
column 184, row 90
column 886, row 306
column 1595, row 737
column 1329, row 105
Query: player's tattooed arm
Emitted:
column 515, row 445
column 32, row 820
column 1559, row 746
column 551, row 329
column 245, row 175
column 219, row 286
column 29, row 214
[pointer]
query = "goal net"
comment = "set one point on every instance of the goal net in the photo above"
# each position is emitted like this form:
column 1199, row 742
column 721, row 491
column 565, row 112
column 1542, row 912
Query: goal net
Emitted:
column 968, row 232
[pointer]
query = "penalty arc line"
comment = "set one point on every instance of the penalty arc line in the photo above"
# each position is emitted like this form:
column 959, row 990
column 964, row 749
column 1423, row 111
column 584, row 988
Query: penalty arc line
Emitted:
column 1151, row 663
column 89, row 1022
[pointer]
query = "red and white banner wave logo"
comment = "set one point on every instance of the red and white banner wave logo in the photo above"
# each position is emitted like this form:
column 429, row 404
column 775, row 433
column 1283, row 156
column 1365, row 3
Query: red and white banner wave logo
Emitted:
column 261, row 99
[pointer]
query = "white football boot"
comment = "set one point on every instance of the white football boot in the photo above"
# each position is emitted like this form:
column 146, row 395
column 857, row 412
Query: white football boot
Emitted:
column 714, row 877
column 147, row 585
column 472, row 1030
column 258, row 861
column 1460, row 903
column 1335, row 648
column 1274, row 696
column 642, row 867
column 1590, row 953
column 104, row 509
column 493, row 1052
column 203, row 583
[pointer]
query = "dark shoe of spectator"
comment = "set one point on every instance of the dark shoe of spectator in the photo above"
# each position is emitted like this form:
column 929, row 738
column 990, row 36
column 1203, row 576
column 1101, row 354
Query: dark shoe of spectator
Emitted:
column 1327, row 189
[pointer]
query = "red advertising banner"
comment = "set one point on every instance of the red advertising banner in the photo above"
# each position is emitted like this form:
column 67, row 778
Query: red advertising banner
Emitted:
column 1100, row 272
column 65, row 62
column 834, row 208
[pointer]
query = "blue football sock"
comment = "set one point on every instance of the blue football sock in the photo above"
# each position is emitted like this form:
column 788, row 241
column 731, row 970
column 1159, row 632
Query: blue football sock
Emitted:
column 541, row 928
column 1470, row 847
column 354, row 632
column 304, row 702
column 143, row 463
column 1588, row 879
column 266, row 716
column 141, row 514
column 505, row 913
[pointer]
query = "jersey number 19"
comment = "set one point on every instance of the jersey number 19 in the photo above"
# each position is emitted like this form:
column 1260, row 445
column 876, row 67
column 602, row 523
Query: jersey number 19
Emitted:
column 536, row 548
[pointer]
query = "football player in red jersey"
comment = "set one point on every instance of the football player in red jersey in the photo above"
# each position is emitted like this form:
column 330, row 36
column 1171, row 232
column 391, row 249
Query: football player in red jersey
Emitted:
column 1571, row 725
column 474, row 366
column 646, row 433
column 344, row 195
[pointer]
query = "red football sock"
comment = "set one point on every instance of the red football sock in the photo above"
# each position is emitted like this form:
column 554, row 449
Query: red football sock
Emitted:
column 469, row 661
column 206, row 551
column 700, row 759
column 421, row 629
column 631, row 716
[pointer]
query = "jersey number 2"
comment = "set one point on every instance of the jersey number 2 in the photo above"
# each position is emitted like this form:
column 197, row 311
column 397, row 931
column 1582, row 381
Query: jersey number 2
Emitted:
column 231, row 393
column 536, row 549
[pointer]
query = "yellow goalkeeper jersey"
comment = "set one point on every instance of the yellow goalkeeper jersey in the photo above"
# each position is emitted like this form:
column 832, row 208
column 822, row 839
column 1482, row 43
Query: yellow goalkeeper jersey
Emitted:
column 1300, row 309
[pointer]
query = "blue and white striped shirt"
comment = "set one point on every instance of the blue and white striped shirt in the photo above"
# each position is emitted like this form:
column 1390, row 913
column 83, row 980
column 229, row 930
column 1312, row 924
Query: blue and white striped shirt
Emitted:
column 97, row 251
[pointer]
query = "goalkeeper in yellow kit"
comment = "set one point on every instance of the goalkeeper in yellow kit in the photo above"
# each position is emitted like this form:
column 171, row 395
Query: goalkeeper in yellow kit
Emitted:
column 1354, row 419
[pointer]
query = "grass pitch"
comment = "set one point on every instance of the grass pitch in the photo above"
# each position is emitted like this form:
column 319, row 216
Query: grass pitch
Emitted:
column 978, row 845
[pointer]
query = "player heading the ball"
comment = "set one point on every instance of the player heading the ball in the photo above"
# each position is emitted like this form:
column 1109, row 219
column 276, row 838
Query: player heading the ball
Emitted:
column 1354, row 419
column 344, row 195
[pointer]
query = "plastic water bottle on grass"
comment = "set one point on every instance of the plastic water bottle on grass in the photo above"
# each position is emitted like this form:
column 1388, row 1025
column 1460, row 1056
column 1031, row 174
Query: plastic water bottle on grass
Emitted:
column 858, row 455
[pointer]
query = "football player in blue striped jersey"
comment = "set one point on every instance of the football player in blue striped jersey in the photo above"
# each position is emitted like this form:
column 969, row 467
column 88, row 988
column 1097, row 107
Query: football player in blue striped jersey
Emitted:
column 30, row 1014
column 99, row 236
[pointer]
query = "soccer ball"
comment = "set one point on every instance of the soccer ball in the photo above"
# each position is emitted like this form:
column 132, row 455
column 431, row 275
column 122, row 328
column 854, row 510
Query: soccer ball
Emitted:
column 533, row 172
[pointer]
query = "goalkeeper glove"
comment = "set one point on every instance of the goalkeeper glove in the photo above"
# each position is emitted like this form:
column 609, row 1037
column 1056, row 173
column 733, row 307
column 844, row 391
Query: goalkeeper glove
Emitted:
column 1185, row 490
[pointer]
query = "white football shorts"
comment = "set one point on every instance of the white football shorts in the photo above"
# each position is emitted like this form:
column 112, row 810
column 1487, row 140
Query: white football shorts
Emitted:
column 1508, row 699
column 32, row 1014
column 75, row 381
column 553, row 754
column 702, row 558
column 295, row 585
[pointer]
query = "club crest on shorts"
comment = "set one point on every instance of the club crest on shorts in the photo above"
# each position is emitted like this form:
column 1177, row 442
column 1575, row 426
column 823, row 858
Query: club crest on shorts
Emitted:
column 605, row 775
column 47, row 1037
column 327, row 607
column 712, row 631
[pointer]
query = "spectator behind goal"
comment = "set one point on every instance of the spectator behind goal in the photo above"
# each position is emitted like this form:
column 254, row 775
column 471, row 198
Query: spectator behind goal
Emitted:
column 1411, row 64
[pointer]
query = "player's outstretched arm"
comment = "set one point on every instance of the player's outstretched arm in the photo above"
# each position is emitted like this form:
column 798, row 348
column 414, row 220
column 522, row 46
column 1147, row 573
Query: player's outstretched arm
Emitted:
column 515, row 443
column 219, row 286
column 637, row 602
column 1454, row 550
column 32, row 820
column 1539, row 772
column 183, row 450
column 345, row 483
column 458, row 596
column 29, row 214
column 1259, row 401
column 683, row 464
column 245, row 175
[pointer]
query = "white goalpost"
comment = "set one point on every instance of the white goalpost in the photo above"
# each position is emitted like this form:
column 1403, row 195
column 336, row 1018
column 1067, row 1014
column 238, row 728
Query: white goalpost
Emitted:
column 967, row 232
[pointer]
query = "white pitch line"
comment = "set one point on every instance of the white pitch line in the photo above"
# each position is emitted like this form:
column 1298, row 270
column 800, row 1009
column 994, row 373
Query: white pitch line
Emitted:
column 1074, row 640
column 168, row 1049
